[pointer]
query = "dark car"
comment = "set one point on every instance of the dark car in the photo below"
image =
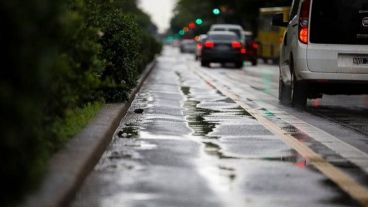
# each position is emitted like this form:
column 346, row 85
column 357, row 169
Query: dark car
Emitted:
column 222, row 47
column 188, row 46
column 251, row 47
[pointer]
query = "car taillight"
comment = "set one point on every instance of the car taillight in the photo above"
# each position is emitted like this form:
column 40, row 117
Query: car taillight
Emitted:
column 236, row 45
column 243, row 51
column 304, row 21
column 254, row 45
column 209, row 44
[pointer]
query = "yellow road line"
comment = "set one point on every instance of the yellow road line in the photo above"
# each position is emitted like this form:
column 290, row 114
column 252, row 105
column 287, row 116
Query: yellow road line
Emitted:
column 344, row 181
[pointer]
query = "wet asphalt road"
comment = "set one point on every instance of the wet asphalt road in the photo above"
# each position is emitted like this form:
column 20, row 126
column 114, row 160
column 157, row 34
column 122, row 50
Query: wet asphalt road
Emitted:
column 184, row 143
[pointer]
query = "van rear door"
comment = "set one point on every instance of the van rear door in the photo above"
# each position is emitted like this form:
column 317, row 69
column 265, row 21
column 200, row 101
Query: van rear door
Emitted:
column 338, row 36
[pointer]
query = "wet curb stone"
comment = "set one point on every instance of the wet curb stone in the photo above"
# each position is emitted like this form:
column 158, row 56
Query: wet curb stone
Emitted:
column 69, row 167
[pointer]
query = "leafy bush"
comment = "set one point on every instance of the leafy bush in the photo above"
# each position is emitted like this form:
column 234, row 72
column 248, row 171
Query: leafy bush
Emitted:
column 62, row 58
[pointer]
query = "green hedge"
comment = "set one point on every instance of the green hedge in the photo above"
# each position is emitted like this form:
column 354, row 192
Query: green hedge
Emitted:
column 61, row 59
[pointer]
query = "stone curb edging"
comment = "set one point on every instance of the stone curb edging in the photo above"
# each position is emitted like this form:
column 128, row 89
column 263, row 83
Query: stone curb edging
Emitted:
column 68, row 168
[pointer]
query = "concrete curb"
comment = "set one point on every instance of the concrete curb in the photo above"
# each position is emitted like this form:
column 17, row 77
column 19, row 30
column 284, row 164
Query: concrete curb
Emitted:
column 69, row 167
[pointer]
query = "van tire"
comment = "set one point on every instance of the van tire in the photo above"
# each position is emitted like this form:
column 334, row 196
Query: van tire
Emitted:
column 284, row 93
column 299, row 92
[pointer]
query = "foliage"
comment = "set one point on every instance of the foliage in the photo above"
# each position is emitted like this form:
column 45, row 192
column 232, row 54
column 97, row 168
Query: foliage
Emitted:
column 75, row 120
column 62, row 58
column 242, row 12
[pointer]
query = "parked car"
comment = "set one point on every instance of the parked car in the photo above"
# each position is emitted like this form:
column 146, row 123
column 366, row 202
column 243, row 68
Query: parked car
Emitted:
column 187, row 46
column 237, row 29
column 222, row 47
column 324, row 49
column 251, row 47
column 199, row 46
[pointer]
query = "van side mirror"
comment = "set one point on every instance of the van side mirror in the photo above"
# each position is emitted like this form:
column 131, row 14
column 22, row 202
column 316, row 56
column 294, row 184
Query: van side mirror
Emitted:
column 278, row 20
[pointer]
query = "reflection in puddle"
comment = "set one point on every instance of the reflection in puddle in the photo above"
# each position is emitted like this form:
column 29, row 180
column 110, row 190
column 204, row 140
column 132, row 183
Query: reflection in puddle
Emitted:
column 215, row 150
column 129, row 131
column 196, row 119
column 203, row 121
column 229, row 172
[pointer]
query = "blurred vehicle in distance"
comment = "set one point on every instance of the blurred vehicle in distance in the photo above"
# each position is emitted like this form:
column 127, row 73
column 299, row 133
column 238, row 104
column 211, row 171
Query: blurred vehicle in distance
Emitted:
column 222, row 47
column 187, row 46
column 237, row 29
column 324, row 50
column 175, row 43
column 268, row 36
column 200, row 40
column 251, row 47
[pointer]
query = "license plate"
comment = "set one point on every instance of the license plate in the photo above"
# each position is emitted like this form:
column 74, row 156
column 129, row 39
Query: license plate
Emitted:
column 360, row 60
column 222, row 47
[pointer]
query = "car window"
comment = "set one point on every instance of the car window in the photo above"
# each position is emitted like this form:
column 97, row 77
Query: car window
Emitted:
column 294, row 9
column 223, row 37
column 188, row 42
column 339, row 22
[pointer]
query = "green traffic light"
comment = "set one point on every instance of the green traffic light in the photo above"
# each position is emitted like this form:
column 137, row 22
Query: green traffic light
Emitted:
column 199, row 21
column 216, row 11
column 181, row 32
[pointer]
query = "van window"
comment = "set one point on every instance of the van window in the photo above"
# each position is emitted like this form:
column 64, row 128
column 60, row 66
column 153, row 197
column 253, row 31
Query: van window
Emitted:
column 339, row 22
column 294, row 9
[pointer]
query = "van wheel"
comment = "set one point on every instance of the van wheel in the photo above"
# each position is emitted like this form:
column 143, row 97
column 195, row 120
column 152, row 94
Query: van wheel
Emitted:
column 284, row 93
column 298, row 92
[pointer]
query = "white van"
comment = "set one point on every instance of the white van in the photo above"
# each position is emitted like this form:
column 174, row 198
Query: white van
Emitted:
column 324, row 50
column 237, row 29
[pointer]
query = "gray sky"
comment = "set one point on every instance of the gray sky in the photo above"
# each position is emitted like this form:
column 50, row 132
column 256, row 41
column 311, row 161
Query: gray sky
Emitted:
column 160, row 11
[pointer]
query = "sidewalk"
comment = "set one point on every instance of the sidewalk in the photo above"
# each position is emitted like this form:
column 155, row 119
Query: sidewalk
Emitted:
column 69, row 167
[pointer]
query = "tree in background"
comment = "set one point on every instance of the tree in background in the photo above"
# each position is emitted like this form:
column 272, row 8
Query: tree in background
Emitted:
column 242, row 12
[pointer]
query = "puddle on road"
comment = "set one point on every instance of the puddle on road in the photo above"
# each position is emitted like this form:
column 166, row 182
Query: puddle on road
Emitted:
column 215, row 150
column 204, row 116
column 129, row 131
column 196, row 118
column 203, row 122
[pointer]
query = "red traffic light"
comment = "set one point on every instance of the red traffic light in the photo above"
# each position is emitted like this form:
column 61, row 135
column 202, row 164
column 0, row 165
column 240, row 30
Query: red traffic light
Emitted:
column 192, row 25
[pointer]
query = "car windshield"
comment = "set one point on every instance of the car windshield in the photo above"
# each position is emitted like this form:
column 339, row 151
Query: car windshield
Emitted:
column 222, row 37
column 339, row 22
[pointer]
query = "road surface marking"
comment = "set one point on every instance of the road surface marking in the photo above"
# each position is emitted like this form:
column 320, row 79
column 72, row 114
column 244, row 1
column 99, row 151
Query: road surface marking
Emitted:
column 344, row 181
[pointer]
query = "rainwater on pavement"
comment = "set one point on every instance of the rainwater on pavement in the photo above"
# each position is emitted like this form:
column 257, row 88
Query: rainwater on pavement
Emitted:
column 183, row 143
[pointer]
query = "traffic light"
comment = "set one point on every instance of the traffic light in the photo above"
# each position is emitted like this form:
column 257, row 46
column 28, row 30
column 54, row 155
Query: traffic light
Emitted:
column 192, row 25
column 181, row 32
column 199, row 21
column 216, row 11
